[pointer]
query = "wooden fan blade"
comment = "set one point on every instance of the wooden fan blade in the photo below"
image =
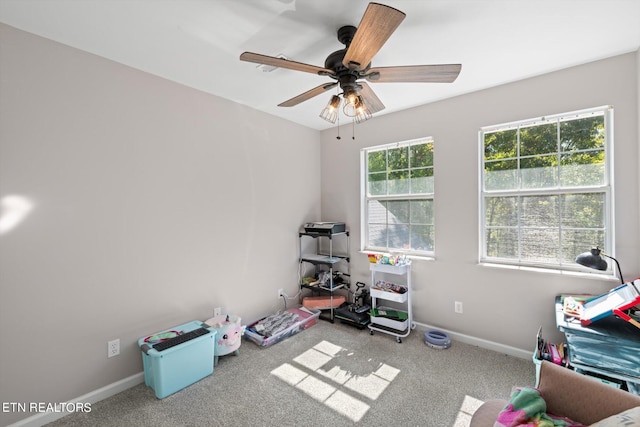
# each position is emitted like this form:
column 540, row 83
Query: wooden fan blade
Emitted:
column 284, row 63
column 308, row 95
column 377, row 25
column 370, row 99
column 445, row 73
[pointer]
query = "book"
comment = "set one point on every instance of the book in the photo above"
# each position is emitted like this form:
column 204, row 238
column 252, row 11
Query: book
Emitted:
column 614, row 302
column 572, row 304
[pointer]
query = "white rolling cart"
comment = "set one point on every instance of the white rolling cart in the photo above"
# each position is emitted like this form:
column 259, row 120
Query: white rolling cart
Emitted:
column 391, row 310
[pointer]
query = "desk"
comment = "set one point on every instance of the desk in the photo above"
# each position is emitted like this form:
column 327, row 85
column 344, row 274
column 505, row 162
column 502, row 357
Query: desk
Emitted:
column 609, row 347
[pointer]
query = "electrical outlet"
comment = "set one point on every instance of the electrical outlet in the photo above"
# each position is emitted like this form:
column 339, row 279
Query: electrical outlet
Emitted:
column 458, row 307
column 217, row 311
column 280, row 293
column 113, row 348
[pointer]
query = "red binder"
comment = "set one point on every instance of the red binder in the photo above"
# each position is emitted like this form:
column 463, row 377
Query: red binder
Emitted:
column 624, row 316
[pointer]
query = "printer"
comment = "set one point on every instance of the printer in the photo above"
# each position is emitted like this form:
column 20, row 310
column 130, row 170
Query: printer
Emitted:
column 324, row 227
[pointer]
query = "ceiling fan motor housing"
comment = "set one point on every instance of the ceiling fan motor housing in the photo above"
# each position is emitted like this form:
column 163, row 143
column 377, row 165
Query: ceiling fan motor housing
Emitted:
column 346, row 34
column 345, row 76
column 334, row 61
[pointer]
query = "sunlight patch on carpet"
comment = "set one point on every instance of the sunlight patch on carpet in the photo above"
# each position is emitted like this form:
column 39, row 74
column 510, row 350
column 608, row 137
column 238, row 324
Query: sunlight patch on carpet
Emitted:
column 328, row 348
column 370, row 386
column 467, row 408
column 289, row 374
column 347, row 405
column 387, row 372
column 335, row 374
column 312, row 359
column 316, row 388
column 353, row 378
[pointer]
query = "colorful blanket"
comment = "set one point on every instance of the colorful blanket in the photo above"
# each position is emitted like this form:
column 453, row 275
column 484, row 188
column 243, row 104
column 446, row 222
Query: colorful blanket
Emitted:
column 527, row 408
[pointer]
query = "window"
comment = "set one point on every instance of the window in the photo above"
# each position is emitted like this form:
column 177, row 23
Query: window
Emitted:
column 546, row 193
column 397, row 188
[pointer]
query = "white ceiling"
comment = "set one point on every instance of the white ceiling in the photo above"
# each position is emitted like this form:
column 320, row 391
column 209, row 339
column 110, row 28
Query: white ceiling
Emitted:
column 198, row 42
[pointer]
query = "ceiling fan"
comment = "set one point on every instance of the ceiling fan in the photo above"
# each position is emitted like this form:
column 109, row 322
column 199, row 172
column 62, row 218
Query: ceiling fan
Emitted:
column 351, row 67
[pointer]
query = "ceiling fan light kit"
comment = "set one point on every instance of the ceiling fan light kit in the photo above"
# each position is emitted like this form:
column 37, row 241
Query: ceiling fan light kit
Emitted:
column 362, row 111
column 351, row 67
column 330, row 112
column 356, row 108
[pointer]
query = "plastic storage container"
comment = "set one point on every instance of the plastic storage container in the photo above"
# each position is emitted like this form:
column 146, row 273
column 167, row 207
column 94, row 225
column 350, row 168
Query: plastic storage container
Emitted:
column 175, row 368
column 307, row 317
column 606, row 352
column 389, row 296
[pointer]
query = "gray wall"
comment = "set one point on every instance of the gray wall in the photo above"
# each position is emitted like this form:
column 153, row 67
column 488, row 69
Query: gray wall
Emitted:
column 502, row 305
column 152, row 204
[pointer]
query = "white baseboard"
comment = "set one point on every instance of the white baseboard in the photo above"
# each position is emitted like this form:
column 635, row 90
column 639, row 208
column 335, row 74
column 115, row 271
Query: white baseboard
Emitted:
column 91, row 397
column 490, row 345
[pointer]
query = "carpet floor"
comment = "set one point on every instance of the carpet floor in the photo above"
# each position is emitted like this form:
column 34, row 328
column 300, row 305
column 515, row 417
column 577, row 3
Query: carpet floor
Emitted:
column 327, row 375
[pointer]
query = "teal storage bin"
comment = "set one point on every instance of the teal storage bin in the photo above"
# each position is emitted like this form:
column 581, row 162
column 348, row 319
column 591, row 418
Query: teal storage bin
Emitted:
column 175, row 368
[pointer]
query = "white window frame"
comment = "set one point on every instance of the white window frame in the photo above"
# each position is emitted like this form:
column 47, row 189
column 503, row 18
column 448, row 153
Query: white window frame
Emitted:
column 366, row 198
column 606, row 188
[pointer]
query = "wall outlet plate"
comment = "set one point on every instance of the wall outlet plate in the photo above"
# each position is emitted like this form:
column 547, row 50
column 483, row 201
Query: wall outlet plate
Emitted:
column 113, row 348
column 458, row 307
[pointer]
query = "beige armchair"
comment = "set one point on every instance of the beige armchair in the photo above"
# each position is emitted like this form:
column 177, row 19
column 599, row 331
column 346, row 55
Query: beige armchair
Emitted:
column 569, row 394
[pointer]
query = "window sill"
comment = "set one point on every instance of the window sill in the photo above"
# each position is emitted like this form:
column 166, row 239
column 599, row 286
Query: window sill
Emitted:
column 580, row 274
column 410, row 256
